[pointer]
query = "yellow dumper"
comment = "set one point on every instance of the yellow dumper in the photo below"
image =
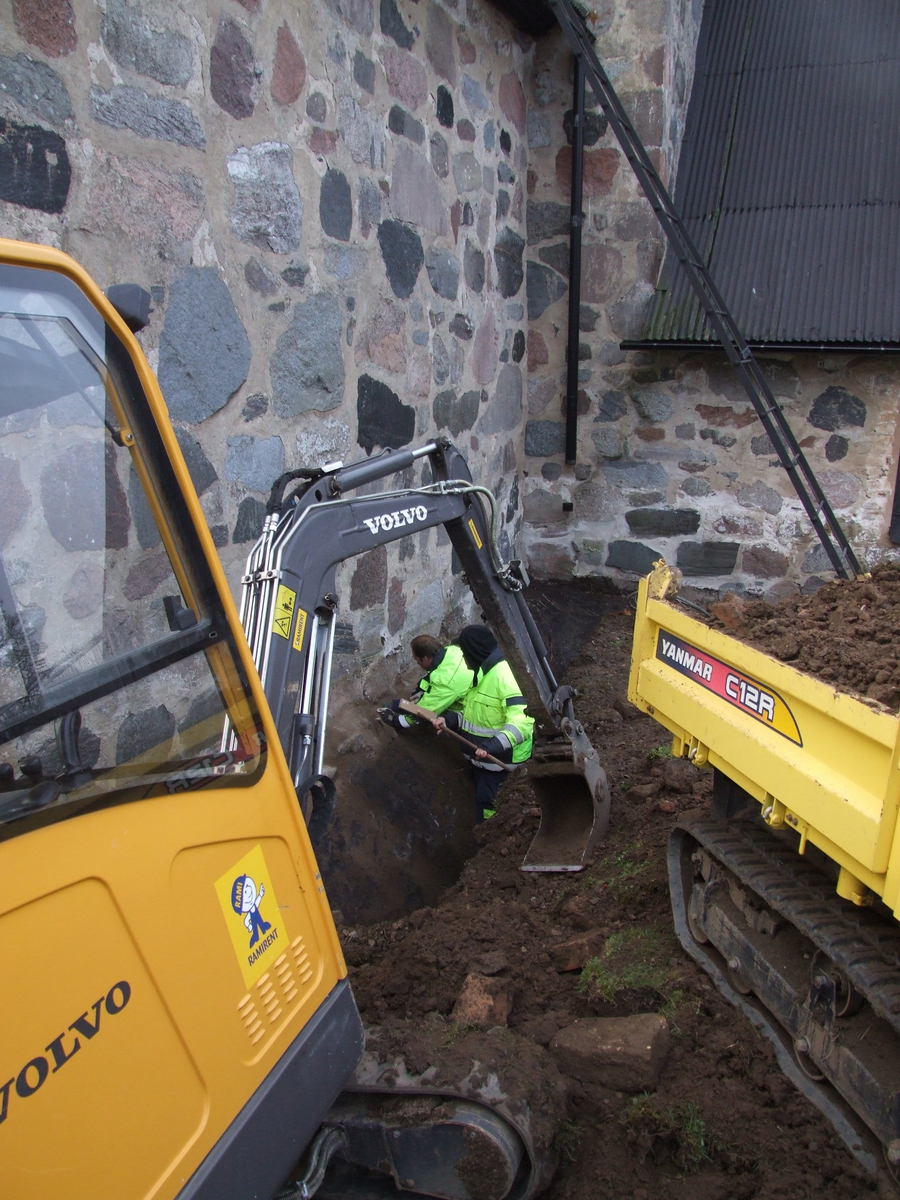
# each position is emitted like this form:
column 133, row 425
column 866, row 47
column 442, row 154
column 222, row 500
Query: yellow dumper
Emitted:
column 787, row 892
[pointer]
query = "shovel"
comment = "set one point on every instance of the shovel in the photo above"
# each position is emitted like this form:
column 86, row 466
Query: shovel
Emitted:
column 416, row 711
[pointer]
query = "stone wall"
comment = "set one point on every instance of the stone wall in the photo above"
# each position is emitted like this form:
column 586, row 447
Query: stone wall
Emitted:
column 696, row 481
column 671, row 459
column 327, row 204
column 353, row 218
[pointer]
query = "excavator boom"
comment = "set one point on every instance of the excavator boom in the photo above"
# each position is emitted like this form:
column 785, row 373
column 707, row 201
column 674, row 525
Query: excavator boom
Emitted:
column 289, row 613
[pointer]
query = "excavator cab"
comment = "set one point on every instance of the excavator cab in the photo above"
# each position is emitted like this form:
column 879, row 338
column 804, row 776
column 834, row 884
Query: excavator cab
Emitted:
column 177, row 1017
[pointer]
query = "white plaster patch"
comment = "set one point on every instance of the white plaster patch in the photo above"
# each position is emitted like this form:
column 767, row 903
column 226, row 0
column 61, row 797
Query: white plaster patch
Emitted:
column 203, row 250
column 199, row 45
column 324, row 441
column 99, row 59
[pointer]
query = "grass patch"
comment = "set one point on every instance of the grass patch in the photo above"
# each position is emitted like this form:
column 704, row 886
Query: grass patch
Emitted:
column 454, row 1031
column 674, row 1000
column 626, row 864
column 619, row 871
column 678, row 1131
column 658, row 753
column 678, row 1127
column 628, row 961
column 614, row 871
column 568, row 1140
column 677, row 1006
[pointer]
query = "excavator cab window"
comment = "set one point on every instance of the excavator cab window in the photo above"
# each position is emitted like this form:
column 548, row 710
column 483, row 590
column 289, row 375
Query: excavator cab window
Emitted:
column 118, row 680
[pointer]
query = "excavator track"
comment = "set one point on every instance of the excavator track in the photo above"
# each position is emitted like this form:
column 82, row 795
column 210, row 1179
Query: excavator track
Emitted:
column 819, row 975
column 431, row 1111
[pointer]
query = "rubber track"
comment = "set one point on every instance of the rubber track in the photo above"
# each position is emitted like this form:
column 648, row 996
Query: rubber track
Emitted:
column 863, row 943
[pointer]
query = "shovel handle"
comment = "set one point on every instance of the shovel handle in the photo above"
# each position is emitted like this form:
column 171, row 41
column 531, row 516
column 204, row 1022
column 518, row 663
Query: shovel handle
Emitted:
column 416, row 710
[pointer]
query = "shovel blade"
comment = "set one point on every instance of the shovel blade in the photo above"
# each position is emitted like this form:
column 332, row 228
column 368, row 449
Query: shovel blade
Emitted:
column 574, row 801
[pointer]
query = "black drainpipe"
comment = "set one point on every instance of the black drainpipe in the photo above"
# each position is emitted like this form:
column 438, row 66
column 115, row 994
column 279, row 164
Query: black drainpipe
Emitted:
column 576, row 221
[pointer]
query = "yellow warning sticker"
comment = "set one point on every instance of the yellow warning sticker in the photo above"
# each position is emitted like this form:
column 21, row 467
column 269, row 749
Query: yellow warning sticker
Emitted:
column 284, row 611
column 252, row 915
column 300, row 630
column 478, row 541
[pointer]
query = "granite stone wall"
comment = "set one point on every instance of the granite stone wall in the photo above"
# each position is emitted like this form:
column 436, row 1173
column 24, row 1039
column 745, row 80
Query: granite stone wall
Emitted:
column 327, row 203
column 353, row 218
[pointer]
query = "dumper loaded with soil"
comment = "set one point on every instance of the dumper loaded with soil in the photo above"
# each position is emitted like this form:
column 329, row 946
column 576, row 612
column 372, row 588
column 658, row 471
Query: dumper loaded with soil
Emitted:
column 787, row 892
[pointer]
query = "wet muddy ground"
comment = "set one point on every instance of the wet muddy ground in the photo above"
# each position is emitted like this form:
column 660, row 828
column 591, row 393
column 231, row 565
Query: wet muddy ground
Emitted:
column 724, row 1123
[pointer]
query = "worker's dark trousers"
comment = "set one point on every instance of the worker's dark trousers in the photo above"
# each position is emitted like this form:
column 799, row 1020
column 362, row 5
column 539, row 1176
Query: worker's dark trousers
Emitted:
column 487, row 785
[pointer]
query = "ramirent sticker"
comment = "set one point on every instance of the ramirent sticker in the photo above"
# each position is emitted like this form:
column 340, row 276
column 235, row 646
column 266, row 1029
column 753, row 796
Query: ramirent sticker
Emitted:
column 478, row 541
column 744, row 692
column 252, row 915
column 300, row 630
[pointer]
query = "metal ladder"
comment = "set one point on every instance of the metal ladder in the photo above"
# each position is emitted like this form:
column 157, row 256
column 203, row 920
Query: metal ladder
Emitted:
column 746, row 368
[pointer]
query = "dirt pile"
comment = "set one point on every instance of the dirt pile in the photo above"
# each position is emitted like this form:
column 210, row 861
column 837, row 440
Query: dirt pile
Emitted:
column 847, row 633
column 724, row 1122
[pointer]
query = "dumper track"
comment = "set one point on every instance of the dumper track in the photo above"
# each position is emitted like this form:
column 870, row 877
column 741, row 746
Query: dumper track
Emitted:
column 819, row 976
column 864, row 943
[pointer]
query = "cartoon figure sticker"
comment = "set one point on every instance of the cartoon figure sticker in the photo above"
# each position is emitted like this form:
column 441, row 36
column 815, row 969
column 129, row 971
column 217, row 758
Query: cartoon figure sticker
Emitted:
column 252, row 914
column 245, row 899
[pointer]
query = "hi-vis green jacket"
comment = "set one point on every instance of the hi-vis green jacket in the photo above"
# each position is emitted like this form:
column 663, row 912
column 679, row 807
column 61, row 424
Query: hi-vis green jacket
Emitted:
column 445, row 685
column 495, row 708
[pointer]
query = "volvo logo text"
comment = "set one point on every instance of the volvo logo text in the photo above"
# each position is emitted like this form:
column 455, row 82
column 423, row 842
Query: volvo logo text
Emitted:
column 32, row 1077
column 393, row 520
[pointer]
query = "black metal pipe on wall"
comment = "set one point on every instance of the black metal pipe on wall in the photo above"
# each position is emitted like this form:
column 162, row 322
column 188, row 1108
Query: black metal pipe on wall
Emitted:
column 576, row 221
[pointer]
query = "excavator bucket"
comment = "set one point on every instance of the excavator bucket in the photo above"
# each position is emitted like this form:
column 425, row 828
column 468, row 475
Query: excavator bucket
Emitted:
column 572, row 792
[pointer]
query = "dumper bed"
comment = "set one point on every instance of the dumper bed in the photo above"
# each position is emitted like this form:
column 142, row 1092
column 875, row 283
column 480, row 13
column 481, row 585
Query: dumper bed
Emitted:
column 787, row 892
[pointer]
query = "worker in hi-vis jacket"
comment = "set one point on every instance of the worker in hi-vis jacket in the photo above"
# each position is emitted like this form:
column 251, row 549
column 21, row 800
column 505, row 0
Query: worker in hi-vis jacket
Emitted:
column 493, row 716
column 442, row 687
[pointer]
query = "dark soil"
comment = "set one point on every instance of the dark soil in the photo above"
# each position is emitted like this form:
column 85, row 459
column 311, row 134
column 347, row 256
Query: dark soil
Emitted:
column 724, row 1123
column 846, row 633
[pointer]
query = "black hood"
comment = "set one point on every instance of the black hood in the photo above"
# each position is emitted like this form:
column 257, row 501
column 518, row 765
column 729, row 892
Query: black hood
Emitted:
column 476, row 643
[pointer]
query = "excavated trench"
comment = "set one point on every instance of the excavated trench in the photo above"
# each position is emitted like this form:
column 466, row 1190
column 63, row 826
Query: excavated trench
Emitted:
column 403, row 824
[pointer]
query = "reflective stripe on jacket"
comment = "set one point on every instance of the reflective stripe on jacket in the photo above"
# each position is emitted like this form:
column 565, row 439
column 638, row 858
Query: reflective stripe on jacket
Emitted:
column 447, row 682
column 495, row 707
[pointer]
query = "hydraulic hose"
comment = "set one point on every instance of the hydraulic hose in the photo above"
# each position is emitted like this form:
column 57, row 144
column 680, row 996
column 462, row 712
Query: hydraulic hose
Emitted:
column 324, row 1145
column 461, row 486
column 456, row 487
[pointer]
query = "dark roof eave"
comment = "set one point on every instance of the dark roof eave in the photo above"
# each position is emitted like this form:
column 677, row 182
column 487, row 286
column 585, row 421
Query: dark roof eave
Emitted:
column 774, row 347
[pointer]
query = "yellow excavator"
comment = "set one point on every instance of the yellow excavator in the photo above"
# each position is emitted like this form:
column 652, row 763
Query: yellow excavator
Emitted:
column 177, row 1016
column 174, row 979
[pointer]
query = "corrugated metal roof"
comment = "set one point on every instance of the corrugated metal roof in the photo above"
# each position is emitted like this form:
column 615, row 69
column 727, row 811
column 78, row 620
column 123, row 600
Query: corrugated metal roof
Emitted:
column 789, row 177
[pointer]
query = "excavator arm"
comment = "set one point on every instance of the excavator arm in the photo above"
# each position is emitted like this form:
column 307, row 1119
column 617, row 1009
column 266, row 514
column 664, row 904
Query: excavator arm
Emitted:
column 290, row 604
